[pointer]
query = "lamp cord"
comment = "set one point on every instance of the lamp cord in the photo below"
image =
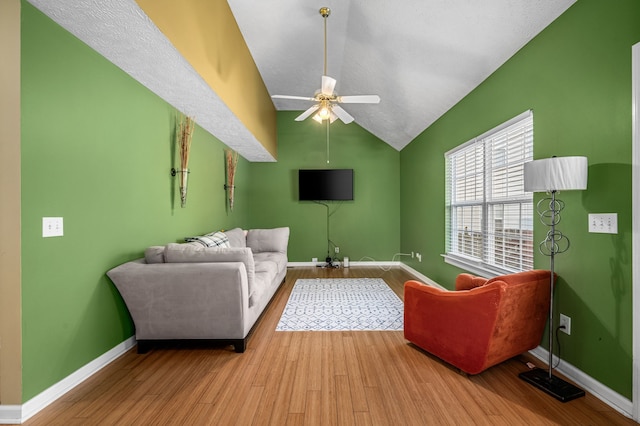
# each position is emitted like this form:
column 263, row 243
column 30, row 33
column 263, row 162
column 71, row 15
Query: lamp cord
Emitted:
column 393, row 258
column 329, row 214
column 558, row 345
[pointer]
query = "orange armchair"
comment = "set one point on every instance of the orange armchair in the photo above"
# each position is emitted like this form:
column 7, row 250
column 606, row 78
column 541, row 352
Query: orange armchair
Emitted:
column 483, row 322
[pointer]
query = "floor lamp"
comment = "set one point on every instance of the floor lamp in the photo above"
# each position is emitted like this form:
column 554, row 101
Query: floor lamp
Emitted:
column 552, row 175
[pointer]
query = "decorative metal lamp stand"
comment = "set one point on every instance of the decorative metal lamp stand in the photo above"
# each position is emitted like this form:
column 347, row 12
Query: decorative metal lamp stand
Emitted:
column 552, row 175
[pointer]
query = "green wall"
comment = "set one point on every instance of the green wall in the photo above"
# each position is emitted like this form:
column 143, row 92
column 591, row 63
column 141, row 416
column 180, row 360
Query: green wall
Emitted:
column 368, row 226
column 97, row 150
column 576, row 76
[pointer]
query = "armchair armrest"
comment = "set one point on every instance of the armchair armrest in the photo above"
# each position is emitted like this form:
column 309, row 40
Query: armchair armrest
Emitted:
column 468, row 281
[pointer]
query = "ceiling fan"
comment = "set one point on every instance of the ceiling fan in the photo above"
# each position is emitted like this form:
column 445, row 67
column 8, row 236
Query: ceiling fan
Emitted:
column 325, row 98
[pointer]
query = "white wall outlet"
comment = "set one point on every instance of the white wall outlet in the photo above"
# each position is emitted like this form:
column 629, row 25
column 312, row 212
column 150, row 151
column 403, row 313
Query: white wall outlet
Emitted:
column 566, row 322
column 337, row 249
column 603, row 223
column 419, row 256
column 314, row 259
column 52, row 227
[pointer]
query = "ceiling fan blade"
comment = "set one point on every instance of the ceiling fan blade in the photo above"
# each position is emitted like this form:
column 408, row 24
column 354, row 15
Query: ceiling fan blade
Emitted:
column 308, row 112
column 328, row 84
column 300, row 98
column 359, row 99
column 342, row 114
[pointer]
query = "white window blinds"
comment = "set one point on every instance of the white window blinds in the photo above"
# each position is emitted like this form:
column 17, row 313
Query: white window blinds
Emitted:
column 489, row 217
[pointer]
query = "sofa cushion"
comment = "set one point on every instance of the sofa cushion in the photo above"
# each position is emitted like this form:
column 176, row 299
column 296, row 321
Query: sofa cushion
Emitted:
column 278, row 259
column 266, row 272
column 237, row 237
column 265, row 240
column 188, row 253
column 271, row 268
column 154, row 254
column 263, row 280
column 213, row 239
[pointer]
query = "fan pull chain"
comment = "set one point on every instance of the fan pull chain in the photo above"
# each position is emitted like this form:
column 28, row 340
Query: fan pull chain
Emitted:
column 328, row 122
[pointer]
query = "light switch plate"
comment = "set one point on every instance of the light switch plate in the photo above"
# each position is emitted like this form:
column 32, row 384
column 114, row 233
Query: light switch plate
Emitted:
column 52, row 227
column 603, row 223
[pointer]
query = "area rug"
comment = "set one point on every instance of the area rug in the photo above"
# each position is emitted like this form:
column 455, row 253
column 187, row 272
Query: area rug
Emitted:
column 342, row 304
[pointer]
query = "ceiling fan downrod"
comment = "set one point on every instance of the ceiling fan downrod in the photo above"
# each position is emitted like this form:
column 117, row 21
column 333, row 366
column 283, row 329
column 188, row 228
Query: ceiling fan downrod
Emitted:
column 326, row 100
column 325, row 12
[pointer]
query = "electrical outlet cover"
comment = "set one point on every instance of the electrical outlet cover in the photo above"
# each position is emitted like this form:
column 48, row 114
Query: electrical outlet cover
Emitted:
column 52, row 227
column 566, row 322
column 603, row 223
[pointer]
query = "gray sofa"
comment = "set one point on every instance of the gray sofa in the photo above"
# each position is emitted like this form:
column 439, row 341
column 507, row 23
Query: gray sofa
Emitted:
column 206, row 289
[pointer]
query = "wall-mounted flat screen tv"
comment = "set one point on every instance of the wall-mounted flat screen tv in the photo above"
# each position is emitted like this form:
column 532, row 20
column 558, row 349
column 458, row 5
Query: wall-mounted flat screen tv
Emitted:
column 325, row 184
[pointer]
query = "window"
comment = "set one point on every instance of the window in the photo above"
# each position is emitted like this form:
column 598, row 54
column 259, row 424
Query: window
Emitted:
column 489, row 217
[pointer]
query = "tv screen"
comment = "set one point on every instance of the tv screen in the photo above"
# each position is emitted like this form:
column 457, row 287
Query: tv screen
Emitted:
column 325, row 184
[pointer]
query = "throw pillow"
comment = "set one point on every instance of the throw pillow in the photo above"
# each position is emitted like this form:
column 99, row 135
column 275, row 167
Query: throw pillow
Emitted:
column 214, row 239
column 274, row 240
column 237, row 237
column 154, row 254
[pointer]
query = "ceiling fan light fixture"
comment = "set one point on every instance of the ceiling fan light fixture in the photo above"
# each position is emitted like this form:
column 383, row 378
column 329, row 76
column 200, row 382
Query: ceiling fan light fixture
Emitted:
column 325, row 111
column 326, row 108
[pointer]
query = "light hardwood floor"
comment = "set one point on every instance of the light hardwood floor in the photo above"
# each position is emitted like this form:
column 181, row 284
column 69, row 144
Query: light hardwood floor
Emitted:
column 313, row 378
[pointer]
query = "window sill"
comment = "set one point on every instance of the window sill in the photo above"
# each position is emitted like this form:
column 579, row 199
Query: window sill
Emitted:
column 475, row 267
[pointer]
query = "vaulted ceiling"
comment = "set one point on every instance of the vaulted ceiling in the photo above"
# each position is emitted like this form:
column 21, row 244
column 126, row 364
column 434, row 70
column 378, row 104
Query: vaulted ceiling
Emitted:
column 420, row 56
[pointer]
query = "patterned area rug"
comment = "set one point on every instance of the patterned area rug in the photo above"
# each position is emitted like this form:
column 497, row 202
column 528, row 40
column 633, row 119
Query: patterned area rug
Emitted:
column 342, row 304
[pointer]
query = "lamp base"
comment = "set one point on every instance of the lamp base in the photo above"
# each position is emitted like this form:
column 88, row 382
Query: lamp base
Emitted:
column 554, row 386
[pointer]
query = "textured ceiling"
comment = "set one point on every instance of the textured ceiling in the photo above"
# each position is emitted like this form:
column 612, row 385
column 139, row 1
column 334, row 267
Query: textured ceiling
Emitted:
column 121, row 32
column 420, row 56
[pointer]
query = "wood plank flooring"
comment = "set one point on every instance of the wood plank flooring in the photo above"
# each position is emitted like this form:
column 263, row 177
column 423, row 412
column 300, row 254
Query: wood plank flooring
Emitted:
column 313, row 378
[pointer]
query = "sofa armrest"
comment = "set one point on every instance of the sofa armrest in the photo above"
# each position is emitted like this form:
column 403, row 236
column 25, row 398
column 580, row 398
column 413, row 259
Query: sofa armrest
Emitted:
column 186, row 253
column 454, row 326
column 185, row 300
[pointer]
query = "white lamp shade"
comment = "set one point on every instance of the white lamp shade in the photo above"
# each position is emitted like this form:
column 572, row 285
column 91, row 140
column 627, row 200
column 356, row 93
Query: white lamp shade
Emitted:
column 555, row 174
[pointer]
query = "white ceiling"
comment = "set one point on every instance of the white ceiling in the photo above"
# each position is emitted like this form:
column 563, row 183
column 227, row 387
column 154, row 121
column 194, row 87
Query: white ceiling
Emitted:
column 420, row 56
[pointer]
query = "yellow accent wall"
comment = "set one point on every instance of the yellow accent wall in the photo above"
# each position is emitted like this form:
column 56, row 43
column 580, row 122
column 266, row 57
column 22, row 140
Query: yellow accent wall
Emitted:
column 10, row 277
column 205, row 32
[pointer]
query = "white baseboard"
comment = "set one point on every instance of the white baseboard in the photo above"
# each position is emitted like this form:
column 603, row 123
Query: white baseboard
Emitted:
column 422, row 277
column 351, row 263
column 11, row 414
column 16, row 414
column 605, row 394
column 373, row 263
